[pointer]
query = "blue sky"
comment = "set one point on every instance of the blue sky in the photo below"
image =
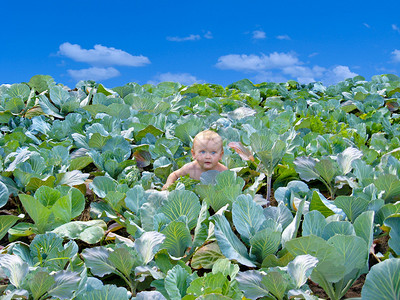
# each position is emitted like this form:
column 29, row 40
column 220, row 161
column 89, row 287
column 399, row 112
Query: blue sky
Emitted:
column 116, row 42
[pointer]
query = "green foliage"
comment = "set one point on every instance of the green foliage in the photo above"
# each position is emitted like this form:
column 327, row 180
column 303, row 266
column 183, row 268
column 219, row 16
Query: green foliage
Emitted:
column 90, row 232
column 6, row 222
column 38, row 269
column 381, row 282
column 121, row 261
column 178, row 238
column 50, row 207
column 227, row 187
column 186, row 181
column 182, row 203
column 393, row 222
column 331, row 155
column 221, row 282
column 105, row 292
column 327, row 169
column 342, row 254
column 275, row 283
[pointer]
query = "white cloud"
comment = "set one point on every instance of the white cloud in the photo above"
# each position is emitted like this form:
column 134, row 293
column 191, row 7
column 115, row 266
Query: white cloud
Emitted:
column 304, row 74
column 395, row 28
column 280, row 67
column 252, row 62
column 208, row 35
column 182, row 78
column 94, row 73
column 102, row 56
column 367, row 25
column 333, row 75
column 396, row 55
column 192, row 37
column 259, row 35
column 283, row 37
column 338, row 73
column 269, row 76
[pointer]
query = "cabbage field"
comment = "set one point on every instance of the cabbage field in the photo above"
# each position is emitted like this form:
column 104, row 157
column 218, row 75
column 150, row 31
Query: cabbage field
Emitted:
column 311, row 199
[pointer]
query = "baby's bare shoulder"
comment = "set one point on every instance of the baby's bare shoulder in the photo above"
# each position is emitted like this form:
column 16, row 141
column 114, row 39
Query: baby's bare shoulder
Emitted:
column 186, row 169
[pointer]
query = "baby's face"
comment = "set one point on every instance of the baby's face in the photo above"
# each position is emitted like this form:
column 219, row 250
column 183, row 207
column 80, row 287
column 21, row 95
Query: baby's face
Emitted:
column 207, row 153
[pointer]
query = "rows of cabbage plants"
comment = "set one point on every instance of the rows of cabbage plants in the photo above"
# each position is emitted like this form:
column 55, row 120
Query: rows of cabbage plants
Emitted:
column 313, row 184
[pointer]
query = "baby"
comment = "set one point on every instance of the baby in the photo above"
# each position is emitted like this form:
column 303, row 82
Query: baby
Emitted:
column 207, row 151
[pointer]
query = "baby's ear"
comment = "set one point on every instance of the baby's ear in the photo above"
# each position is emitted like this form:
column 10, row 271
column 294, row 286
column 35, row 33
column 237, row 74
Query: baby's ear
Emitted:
column 192, row 151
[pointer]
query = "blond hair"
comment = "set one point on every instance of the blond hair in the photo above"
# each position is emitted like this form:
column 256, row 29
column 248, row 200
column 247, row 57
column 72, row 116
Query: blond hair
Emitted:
column 207, row 135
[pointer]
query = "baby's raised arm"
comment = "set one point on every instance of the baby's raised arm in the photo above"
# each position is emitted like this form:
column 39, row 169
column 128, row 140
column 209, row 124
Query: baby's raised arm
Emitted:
column 176, row 174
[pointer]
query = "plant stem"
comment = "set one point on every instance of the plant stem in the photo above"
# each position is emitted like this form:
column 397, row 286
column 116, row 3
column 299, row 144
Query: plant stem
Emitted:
column 44, row 295
column 327, row 286
column 269, row 188
column 330, row 189
column 340, row 291
column 132, row 285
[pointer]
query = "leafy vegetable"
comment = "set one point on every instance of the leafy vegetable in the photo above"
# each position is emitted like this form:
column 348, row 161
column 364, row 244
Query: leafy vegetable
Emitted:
column 51, row 207
column 329, row 156
column 227, row 187
column 381, row 282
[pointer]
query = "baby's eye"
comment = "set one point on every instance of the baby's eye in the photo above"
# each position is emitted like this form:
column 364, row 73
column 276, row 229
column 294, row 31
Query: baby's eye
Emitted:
column 202, row 151
column 213, row 152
